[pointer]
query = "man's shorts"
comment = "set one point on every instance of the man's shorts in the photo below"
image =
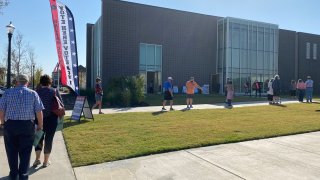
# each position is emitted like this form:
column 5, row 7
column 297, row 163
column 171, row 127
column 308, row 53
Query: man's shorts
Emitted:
column 167, row 96
column 190, row 96
column 98, row 97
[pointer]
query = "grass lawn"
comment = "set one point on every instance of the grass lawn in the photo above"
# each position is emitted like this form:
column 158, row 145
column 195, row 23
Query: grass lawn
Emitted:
column 119, row 136
column 180, row 99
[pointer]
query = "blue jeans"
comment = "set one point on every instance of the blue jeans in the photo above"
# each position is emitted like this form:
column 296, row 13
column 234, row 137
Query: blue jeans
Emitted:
column 309, row 92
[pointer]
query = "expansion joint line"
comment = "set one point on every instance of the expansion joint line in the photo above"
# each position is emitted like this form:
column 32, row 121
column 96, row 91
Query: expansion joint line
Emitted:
column 288, row 146
column 215, row 165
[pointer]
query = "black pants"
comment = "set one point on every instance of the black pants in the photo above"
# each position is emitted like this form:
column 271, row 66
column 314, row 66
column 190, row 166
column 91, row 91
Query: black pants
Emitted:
column 300, row 95
column 49, row 129
column 18, row 139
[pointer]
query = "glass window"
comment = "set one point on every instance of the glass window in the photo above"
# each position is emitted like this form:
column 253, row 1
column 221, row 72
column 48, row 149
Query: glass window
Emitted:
column 308, row 50
column 244, row 59
column 235, row 58
column 150, row 57
column 260, row 60
column 260, row 40
column 314, row 51
column 236, row 36
column 253, row 60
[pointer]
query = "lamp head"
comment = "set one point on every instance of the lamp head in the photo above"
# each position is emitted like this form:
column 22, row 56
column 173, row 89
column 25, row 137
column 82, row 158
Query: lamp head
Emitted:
column 10, row 28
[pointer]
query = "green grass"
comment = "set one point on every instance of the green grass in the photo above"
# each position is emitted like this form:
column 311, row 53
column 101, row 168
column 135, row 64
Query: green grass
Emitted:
column 120, row 136
column 180, row 99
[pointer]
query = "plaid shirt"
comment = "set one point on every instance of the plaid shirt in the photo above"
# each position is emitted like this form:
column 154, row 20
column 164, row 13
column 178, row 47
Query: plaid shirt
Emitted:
column 20, row 103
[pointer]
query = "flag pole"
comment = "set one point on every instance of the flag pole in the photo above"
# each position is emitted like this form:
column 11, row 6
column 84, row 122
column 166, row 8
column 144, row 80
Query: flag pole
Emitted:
column 58, row 69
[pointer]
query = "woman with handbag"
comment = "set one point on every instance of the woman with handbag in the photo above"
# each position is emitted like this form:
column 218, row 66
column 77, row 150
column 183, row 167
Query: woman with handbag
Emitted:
column 49, row 98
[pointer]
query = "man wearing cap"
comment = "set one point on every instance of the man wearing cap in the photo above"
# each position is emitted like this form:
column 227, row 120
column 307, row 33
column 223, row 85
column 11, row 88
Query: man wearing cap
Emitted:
column 19, row 107
column 98, row 95
column 309, row 89
column 191, row 86
column 168, row 93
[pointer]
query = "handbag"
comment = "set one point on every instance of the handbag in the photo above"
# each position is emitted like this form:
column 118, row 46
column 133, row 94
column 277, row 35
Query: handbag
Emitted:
column 57, row 106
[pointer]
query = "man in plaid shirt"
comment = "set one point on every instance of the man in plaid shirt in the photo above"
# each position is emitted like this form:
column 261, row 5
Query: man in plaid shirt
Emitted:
column 18, row 108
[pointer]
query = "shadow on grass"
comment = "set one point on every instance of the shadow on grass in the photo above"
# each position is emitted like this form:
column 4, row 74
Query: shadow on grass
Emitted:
column 159, row 113
column 318, row 110
column 71, row 123
column 315, row 102
column 280, row 105
column 184, row 110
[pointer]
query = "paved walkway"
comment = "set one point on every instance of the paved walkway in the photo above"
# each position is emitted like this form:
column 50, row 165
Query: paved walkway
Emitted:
column 292, row 157
column 60, row 169
column 181, row 107
column 287, row 158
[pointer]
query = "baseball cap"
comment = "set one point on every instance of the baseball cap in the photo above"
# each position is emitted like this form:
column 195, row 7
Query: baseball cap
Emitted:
column 21, row 78
column 308, row 77
column 170, row 78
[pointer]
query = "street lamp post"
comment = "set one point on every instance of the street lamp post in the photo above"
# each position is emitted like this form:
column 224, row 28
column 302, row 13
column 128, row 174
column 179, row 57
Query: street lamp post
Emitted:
column 33, row 76
column 10, row 29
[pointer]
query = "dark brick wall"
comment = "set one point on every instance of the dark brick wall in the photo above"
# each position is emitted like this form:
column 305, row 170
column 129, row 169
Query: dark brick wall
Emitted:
column 188, row 40
column 89, row 55
column 286, row 58
column 309, row 66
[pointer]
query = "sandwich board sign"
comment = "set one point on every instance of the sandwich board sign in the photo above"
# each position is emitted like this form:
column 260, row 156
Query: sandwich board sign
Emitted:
column 81, row 106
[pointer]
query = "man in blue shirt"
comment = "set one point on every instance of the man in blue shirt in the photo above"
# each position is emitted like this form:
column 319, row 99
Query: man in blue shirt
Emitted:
column 309, row 89
column 19, row 107
column 168, row 94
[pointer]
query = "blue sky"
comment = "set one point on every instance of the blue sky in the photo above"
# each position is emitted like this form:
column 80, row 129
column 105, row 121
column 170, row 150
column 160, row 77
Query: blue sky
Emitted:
column 33, row 19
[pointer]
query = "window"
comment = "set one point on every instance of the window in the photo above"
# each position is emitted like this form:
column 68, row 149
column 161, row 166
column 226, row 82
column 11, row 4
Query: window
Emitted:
column 308, row 51
column 314, row 51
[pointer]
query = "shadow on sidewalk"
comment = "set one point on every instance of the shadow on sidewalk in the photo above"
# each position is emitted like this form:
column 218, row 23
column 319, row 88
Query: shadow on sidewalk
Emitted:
column 33, row 170
column 1, row 133
column 5, row 178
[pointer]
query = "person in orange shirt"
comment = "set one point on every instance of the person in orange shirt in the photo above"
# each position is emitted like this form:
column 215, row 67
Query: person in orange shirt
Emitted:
column 191, row 86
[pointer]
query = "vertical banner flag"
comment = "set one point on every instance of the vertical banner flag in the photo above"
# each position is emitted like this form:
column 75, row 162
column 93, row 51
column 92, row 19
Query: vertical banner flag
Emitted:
column 65, row 34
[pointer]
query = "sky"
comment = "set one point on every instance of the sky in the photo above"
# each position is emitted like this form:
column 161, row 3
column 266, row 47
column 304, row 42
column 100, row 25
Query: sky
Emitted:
column 32, row 18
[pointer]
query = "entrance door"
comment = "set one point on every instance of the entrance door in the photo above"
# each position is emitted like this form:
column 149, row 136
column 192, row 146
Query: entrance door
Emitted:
column 215, row 83
column 151, row 82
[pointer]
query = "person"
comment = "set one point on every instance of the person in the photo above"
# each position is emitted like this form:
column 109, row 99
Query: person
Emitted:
column 19, row 107
column 257, row 88
column 151, row 87
column 246, row 88
column 309, row 89
column 270, row 91
column 293, row 89
column 276, row 89
column 230, row 93
column 98, row 95
column 168, row 94
column 46, row 94
column 301, row 87
column 191, row 86
column 225, row 87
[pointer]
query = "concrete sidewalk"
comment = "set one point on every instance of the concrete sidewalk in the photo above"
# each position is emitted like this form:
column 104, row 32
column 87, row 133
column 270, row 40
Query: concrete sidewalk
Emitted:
column 265, row 159
column 60, row 167
column 182, row 107
column 291, row 157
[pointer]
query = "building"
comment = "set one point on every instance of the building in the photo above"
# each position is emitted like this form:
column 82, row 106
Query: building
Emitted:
column 155, row 42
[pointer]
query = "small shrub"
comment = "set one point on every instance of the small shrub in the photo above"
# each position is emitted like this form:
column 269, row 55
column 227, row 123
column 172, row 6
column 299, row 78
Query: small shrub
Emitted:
column 125, row 91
